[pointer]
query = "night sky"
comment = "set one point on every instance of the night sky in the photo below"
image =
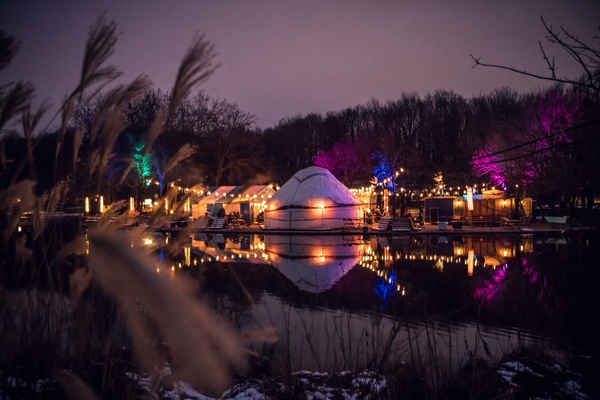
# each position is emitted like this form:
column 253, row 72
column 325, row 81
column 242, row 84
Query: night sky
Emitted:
column 285, row 58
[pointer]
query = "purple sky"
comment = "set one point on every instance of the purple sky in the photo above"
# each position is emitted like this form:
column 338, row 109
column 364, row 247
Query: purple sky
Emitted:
column 285, row 58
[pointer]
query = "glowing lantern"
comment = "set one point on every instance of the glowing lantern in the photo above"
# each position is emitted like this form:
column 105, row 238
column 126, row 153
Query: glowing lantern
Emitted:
column 470, row 198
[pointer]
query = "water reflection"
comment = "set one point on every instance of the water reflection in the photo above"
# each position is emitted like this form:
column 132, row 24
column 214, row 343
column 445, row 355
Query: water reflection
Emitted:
column 313, row 263
column 217, row 248
column 338, row 301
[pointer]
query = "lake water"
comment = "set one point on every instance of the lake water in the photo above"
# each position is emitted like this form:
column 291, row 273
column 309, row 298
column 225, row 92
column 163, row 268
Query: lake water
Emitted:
column 342, row 302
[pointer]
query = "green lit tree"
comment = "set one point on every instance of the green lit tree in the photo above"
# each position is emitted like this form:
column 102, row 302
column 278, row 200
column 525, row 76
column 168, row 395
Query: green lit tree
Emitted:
column 142, row 166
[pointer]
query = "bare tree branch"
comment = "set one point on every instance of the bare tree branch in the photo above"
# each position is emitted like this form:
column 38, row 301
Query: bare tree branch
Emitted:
column 584, row 55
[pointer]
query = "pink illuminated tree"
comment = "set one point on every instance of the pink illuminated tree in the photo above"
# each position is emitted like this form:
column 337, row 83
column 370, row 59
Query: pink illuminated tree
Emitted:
column 536, row 154
column 347, row 160
column 564, row 153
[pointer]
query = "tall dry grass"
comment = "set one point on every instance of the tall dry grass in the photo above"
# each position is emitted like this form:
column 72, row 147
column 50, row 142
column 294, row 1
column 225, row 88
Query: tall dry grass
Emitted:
column 87, row 309
column 100, row 45
column 201, row 346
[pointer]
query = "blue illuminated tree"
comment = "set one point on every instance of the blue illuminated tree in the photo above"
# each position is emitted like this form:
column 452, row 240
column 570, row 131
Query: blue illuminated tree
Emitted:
column 385, row 171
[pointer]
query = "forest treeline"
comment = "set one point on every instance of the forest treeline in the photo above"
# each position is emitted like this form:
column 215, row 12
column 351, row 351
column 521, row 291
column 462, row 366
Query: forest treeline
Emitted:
column 546, row 141
column 136, row 141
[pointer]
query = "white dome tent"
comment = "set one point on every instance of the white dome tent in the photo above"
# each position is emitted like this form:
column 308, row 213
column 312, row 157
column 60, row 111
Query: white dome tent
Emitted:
column 313, row 199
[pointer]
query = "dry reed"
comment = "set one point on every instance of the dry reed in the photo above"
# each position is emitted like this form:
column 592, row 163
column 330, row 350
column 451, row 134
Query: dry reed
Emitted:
column 202, row 346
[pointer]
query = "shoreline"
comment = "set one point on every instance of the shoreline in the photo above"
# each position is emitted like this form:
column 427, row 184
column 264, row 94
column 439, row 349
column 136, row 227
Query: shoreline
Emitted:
column 428, row 229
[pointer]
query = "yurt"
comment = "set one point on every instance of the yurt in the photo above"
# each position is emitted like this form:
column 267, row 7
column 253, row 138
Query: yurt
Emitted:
column 313, row 199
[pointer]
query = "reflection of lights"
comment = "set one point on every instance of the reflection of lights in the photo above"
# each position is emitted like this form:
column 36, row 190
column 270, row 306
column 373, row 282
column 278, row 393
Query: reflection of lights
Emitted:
column 188, row 255
column 147, row 241
column 439, row 264
column 470, row 262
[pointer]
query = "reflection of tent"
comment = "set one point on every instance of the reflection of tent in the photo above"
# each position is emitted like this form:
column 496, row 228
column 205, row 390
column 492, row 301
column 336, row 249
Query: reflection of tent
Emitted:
column 313, row 264
column 219, row 248
column 312, row 199
column 493, row 261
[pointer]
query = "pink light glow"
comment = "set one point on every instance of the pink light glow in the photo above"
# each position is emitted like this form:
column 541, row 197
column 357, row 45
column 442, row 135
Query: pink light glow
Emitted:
column 490, row 289
column 486, row 164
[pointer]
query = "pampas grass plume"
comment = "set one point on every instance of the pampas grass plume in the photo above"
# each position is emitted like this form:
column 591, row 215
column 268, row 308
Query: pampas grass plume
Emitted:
column 202, row 346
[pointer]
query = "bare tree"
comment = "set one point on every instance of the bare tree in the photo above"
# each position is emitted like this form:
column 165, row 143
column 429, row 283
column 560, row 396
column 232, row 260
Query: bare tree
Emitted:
column 574, row 149
column 586, row 56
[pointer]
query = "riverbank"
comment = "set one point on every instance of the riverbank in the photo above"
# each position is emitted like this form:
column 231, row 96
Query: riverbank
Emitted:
column 427, row 229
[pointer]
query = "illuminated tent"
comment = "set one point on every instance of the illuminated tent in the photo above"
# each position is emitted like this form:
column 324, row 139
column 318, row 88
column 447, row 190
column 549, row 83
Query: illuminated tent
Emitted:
column 312, row 263
column 212, row 201
column 247, row 200
column 251, row 201
column 312, row 199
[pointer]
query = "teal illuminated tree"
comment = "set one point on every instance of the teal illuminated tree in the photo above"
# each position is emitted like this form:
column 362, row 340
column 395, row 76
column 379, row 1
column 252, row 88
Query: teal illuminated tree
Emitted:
column 142, row 164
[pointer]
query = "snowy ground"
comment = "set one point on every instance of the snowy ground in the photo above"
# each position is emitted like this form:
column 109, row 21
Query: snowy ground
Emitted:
column 521, row 377
column 310, row 385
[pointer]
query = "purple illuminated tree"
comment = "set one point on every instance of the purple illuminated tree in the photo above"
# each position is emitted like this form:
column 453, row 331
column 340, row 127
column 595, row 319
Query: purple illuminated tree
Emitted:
column 577, row 166
column 347, row 160
column 536, row 153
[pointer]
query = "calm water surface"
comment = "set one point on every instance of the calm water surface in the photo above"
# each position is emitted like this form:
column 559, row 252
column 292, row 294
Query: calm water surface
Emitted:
column 339, row 302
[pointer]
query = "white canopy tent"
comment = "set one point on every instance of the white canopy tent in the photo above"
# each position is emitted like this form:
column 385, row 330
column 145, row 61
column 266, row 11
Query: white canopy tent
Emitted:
column 313, row 199
column 208, row 203
column 246, row 200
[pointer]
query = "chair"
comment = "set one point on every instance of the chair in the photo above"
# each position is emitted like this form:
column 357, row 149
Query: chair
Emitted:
column 384, row 224
column 218, row 223
column 401, row 225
